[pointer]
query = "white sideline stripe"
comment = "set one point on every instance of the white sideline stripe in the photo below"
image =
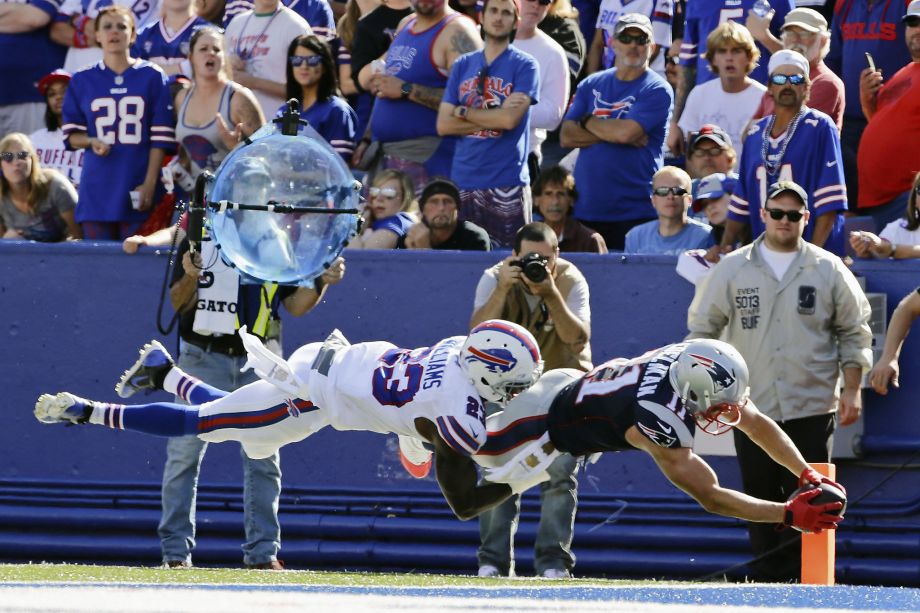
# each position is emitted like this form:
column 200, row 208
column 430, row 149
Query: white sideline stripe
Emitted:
column 138, row 598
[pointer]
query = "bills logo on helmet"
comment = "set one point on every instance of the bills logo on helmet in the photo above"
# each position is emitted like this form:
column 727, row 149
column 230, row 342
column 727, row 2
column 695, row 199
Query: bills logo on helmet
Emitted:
column 496, row 359
column 719, row 374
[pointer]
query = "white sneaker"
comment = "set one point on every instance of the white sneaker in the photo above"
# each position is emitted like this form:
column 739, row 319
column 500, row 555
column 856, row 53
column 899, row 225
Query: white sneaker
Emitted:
column 556, row 573
column 62, row 408
column 487, row 570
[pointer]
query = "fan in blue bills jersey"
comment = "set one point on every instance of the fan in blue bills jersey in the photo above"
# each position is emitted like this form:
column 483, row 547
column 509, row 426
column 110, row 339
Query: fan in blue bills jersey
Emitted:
column 653, row 403
column 705, row 16
column 166, row 41
column 120, row 111
column 313, row 82
column 795, row 143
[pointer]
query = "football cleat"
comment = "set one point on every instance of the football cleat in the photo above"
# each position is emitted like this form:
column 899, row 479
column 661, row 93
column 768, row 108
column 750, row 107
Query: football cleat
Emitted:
column 62, row 408
column 151, row 367
column 414, row 457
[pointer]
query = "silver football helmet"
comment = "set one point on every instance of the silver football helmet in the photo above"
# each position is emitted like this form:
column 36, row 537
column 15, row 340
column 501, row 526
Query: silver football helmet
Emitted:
column 502, row 359
column 711, row 379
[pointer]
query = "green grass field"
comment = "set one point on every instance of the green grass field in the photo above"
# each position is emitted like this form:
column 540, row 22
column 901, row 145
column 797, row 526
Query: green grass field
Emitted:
column 31, row 573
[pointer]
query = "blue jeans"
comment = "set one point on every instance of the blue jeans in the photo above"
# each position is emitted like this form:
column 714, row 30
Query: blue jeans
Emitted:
column 553, row 547
column 261, row 478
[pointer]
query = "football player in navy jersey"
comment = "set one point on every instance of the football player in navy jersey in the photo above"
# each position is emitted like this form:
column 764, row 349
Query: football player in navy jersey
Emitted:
column 653, row 403
column 119, row 111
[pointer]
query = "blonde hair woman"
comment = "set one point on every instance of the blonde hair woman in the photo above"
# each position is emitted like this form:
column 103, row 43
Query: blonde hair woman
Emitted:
column 389, row 213
column 35, row 203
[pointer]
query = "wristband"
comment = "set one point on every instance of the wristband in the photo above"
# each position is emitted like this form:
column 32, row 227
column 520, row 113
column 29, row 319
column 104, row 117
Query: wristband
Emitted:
column 461, row 112
column 583, row 122
column 893, row 249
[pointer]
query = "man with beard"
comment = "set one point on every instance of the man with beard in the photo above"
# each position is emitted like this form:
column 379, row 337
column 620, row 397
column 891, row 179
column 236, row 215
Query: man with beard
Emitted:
column 888, row 156
column 618, row 119
column 410, row 87
column 440, row 228
column 798, row 317
column 795, row 143
column 487, row 104
column 806, row 31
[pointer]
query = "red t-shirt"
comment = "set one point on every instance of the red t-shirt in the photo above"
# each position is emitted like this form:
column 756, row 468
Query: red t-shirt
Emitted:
column 889, row 157
column 826, row 96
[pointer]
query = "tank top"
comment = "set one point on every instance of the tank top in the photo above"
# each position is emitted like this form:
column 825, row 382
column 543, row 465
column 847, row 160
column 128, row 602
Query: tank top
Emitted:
column 409, row 58
column 203, row 144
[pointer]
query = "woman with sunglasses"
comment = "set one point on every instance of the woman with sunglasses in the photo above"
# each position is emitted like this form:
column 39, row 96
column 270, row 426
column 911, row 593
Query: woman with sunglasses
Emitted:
column 312, row 81
column 118, row 111
column 35, row 203
column 390, row 211
column 900, row 239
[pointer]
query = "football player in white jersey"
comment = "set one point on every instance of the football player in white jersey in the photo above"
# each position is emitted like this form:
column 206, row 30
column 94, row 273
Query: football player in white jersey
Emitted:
column 653, row 403
column 431, row 394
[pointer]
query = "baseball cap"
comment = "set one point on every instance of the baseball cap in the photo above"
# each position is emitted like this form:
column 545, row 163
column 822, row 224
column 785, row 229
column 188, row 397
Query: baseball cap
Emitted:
column 787, row 186
column 913, row 10
column 712, row 187
column 809, row 20
column 713, row 133
column 633, row 20
column 788, row 57
column 58, row 75
column 440, row 186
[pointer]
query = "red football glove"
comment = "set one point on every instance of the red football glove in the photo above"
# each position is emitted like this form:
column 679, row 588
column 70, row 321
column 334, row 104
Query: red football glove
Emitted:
column 810, row 475
column 804, row 516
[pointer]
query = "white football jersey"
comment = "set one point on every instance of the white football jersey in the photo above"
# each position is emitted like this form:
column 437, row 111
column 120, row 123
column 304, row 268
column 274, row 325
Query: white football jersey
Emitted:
column 379, row 387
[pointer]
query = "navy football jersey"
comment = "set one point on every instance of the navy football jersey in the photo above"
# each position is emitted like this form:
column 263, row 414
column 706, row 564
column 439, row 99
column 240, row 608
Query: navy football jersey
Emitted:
column 593, row 414
column 132, row 112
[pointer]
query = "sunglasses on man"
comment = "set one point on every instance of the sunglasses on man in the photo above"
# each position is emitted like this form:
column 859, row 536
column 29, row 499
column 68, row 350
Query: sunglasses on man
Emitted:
column 544, row 2
column 386, row 192
column 782, row 79
column 9, row 156
column 310, row 60
column 639, row 39
column 664, row 191
column 777, row 214
column 912, row 22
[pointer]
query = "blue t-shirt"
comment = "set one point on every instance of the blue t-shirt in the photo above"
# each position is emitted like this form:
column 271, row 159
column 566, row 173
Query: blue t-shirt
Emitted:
column 493, row 158
column 703, row 17
column 812, row 159
column 154, row 44
column 615, row 181
column 398, row 224
column 645, row 239
column 855, row 30
column 28, row 56
column 133, row 112
column 317, row 13
column 334, row 120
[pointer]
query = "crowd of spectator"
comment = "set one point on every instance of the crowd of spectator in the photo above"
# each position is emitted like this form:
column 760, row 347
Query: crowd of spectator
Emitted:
column 644, row 126
column 487, row 97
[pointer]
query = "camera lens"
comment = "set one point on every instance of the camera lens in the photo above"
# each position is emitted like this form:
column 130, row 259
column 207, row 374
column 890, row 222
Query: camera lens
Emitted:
column 535, row 271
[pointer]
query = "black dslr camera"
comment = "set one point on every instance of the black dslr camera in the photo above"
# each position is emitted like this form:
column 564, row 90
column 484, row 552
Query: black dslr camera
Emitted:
column 533, row 265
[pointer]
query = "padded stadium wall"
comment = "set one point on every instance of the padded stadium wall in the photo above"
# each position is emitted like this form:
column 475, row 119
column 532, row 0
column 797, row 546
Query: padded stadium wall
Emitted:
column 74, row 315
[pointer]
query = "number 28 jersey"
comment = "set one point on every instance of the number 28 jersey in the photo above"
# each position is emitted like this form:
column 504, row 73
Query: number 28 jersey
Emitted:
column 132, row 112
column 593, row 414
column 381, row 388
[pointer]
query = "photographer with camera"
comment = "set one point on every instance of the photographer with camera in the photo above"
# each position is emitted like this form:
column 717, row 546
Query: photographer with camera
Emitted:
column 548, row 295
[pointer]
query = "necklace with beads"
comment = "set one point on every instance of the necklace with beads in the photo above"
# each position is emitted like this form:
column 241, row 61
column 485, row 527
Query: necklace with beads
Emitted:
column 772, row 167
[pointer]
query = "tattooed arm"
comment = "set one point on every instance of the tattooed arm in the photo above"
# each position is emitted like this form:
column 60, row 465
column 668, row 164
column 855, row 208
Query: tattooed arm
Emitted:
column 461, row 37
